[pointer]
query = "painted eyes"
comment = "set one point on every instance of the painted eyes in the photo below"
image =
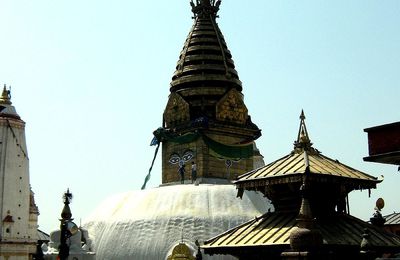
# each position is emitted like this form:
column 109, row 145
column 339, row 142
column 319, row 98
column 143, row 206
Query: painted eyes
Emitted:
column 187, row 156
column 175, row 158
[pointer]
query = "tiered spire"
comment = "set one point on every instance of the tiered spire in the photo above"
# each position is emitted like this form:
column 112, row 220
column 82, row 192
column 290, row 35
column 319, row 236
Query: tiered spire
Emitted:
column 205, row 60
column 206, row 107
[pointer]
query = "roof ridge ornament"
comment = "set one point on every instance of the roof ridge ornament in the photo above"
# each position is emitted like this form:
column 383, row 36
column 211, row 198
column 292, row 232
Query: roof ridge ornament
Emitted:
column 303, row 142
column 205, row 8
column 5, row 98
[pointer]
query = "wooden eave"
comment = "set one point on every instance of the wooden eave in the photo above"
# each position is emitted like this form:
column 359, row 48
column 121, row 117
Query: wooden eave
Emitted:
column 387, row 158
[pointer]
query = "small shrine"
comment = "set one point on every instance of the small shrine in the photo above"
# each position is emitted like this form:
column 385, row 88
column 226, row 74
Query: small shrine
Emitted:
column 71, row 241
column 311, row 219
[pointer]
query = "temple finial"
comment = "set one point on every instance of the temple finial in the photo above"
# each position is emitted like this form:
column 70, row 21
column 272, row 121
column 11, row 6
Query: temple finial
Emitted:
column 205, row 8
column 302, row 116
column 303, row 142
column 5, row 98
column 66, row 212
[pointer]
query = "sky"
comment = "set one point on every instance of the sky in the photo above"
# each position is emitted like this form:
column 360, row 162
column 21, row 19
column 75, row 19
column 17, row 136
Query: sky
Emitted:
column 91, row 81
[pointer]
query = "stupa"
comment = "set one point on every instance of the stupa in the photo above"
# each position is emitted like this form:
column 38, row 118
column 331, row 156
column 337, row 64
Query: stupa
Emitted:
column 205, row 123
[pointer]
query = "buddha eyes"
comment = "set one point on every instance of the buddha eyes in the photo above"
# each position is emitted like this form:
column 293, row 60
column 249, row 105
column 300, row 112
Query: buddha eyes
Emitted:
column 187, row 156
column 175, row 158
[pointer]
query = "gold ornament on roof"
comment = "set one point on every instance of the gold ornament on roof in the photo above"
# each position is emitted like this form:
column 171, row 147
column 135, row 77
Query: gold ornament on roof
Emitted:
column 5, row 98
column 303, row 142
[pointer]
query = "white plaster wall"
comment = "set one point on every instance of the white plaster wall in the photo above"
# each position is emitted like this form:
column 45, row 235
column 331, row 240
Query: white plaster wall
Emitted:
column 15, row 251
column 15, row 192
column 14, row 189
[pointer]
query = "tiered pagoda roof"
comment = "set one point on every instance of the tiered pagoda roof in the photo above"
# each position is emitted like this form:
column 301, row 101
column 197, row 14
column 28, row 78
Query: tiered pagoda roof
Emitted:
column 309, row 192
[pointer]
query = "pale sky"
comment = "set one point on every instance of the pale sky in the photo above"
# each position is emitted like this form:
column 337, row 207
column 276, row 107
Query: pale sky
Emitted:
column 91, row 80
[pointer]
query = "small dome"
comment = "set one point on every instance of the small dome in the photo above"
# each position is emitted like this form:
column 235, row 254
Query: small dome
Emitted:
column 148, row 224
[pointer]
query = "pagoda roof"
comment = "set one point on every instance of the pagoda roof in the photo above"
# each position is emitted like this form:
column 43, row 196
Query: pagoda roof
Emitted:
column 273, row 230
column 392, row 219
column 292, row 167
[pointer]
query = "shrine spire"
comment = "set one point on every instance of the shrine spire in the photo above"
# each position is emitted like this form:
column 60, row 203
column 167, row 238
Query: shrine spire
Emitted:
column 303, row 142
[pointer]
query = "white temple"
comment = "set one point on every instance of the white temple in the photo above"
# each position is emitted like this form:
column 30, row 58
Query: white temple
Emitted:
column 18, row 223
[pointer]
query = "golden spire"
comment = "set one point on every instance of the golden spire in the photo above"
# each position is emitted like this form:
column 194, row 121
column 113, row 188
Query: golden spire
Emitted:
column 303, row 142
column 5, row 98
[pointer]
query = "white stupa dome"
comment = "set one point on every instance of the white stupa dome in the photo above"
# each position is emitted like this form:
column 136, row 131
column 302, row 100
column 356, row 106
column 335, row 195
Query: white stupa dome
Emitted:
column 148, row 224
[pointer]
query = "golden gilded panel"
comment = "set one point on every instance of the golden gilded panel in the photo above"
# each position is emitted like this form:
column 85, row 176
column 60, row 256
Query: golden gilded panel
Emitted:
column 231, row 108
column 177, row 110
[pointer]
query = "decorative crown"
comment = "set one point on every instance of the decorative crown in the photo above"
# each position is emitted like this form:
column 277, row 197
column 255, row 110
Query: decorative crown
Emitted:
column 205, row 8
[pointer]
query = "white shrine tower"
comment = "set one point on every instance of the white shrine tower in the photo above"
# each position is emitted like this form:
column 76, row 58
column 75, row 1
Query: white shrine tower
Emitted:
column 18, row 223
